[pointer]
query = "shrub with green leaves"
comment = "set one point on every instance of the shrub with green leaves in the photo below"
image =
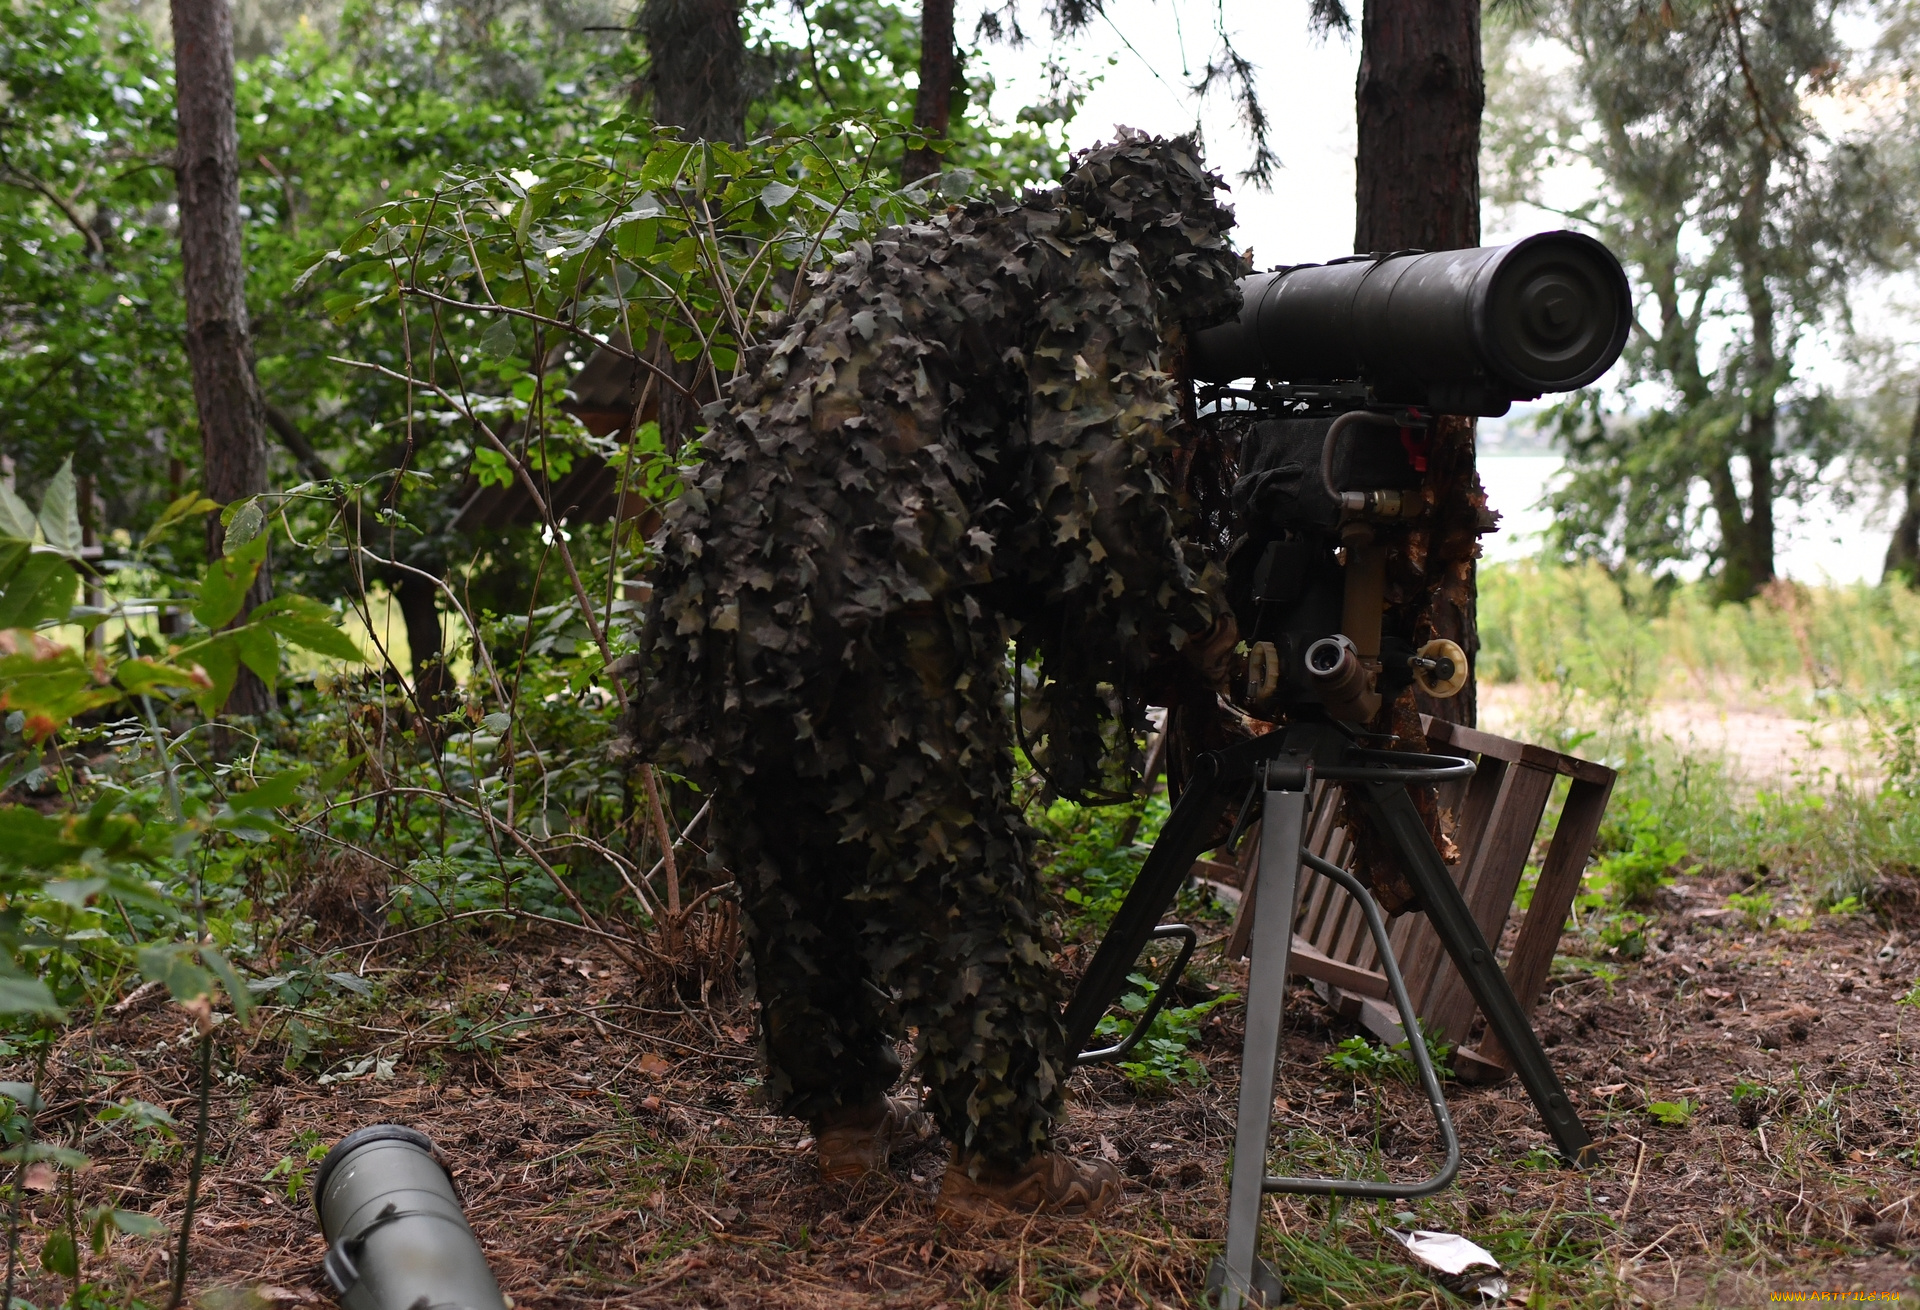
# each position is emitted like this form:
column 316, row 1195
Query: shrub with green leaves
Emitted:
column 1365, row 1061
column 1634, row 875
column 1092, row 853
column 109, row 873
column 1163, row 1057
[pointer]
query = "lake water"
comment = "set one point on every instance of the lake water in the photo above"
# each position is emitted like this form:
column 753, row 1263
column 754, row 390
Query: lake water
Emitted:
column 1818, row 542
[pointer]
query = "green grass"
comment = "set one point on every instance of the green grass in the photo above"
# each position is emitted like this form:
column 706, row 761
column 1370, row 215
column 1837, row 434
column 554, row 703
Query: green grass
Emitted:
column 1597, row 653
column 1623, row 638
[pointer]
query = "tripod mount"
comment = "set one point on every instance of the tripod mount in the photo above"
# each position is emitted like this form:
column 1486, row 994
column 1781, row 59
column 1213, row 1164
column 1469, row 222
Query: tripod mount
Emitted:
column 1278, row 771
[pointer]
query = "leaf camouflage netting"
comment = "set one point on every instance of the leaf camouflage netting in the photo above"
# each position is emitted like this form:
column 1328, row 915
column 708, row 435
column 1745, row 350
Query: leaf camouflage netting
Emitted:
column 963, row 438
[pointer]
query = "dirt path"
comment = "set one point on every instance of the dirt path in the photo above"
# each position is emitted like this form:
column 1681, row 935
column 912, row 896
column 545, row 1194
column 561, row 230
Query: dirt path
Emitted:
column 1763, row 747
column 612, row 1156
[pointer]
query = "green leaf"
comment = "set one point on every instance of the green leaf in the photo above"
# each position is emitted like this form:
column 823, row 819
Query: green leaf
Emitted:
column 337, row 774
column 144, row 675
column 12, row 555
column 171, row 965
column 185, row 507
column 60, row 1255
column 23, row 1095
column 43, row 589
column 498, row 342
column 353, row 982
column 135, row 1224
column 60, row 511
column 634, row 240
column 32, row 840
column 74, row 892
column 236, row 990
column 61, row 1157
column 1674, row 1114
column 144, row 1114
column 16, row 520
column 308, row 624
column 224, row 591
column 51, row 685
column 220, row 657
column 259, row 652
column 104, row 1220
column 273, row 792
column 243, row 523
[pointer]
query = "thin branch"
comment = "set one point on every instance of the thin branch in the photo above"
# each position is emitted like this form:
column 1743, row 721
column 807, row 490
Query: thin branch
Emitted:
column 562, row 324
column 28, row 182
column 533, row 490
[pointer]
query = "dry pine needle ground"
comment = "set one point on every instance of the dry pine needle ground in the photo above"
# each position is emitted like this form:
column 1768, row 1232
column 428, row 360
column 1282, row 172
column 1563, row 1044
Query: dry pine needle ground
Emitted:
column 614, row 1155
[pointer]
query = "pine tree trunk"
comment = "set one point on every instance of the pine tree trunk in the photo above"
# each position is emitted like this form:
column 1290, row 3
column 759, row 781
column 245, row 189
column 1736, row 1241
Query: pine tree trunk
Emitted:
column 1418, row 102
column 933, row 103
column 1763, row 421
column 696, row 68
column 219, row 353
column 1903, row 552
column 1419, row 98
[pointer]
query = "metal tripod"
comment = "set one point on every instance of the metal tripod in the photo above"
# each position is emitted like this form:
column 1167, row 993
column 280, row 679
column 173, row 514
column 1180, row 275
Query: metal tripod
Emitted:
column 1281, row 767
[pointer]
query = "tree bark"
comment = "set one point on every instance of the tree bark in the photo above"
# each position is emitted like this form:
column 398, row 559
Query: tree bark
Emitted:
column 1418, row 102
column 1763, row 421
column 219, row 353
column 1903, row 552
column 933, row 103
column 420, row 610
column 696, row 68
column 1419, row 97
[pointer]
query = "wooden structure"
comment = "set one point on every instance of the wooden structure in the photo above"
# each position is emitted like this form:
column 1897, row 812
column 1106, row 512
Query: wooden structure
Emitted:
column 1498, row 813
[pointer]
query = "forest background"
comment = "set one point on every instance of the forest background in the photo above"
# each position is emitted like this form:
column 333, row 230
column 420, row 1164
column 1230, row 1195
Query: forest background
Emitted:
column 347, row 622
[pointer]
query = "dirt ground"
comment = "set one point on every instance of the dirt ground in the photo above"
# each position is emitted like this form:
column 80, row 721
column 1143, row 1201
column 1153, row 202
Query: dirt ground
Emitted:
column 612, row 1155
column 1763, row 746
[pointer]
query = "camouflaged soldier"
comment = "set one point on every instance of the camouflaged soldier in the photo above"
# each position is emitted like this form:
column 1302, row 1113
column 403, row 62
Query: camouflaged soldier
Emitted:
column 963, row 437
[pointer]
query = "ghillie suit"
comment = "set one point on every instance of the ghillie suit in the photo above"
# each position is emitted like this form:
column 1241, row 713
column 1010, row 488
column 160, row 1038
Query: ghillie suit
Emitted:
column 960, row 440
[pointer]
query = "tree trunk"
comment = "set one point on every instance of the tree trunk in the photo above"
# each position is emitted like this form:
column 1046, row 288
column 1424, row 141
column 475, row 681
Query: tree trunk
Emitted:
column 1762, row 428
column 1763, row 422
column 420, row 610
column 1903, row 552
column 1736, row 580
column 1419, row 98
column 207, row 171
column 933, row 103
column 1417, row 181
column 696, row 66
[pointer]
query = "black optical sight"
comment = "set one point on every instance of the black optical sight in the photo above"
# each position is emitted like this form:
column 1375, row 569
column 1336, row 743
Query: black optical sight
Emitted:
column 1452, row 332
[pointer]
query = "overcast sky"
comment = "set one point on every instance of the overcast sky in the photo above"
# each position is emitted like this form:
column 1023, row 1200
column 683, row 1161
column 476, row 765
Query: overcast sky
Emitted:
column 1147, row 54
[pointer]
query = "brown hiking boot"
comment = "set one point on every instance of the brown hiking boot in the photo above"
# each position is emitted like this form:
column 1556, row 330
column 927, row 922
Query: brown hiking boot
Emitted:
column 855, row 1140
column 1049, row 1183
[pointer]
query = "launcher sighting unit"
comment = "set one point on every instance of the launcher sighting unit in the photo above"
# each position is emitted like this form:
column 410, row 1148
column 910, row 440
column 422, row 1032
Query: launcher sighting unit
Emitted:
column 1333, row 374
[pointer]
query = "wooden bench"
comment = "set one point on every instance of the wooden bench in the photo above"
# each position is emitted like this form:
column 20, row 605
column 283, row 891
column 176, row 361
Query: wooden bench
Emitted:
column 1497, row 816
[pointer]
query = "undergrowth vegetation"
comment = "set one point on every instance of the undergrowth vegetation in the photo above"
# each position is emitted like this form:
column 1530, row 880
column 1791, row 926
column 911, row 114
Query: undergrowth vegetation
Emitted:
column 1594, row 657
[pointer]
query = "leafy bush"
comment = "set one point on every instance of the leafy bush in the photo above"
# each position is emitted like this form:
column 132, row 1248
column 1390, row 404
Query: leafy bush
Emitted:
column 1092, row 853
column 1756, row 907
column 1634, row 876
column 1360, row 1059
column 1162, row 1059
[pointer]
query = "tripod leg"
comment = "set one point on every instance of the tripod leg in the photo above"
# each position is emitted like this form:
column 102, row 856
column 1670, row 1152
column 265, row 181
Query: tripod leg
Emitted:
column 1447, row 911
column 1282, row 822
